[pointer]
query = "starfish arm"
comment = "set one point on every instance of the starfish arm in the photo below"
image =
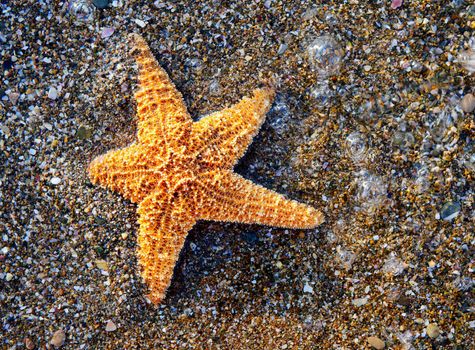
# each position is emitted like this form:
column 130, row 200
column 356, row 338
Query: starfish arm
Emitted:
column 164, row 224
column 163, row 119
column 229, row 197
column 128, row 171
column 221, row 138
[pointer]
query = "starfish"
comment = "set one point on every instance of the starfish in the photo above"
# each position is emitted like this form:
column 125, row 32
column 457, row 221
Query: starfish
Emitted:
column 180, row 171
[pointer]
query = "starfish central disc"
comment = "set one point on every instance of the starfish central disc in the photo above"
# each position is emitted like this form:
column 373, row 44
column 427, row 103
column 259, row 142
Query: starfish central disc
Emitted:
column 180, row 171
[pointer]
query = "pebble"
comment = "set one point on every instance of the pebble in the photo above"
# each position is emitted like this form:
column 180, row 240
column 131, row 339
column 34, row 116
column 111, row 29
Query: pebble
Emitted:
column 360, row 301
column 140, row 23
column 433, row 330
column 308, row 288
column 110, row 326
column 8, row 277
column 107, row 32
column 282, row 49
column 101, row 4
column 29, row 344
column 395, row 4
column 13, row 97
column 55, row 180
column 58, row 338
column 376, row 342
column 102, row 264
column 468, row 103
column 52, row 93
column 449, row 211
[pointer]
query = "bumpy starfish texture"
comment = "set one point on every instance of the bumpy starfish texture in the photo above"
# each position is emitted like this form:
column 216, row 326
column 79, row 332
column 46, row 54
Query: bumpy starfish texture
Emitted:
column 180, row 171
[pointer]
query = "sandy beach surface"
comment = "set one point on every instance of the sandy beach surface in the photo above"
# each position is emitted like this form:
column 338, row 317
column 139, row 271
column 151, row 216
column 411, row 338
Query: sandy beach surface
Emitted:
column 373, row 123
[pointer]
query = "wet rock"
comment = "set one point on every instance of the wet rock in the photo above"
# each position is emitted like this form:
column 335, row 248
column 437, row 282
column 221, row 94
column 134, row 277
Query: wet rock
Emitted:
column 52, row 93
column 110, row 326
column 29, row 344
column 433, row 330
column 55, row 180
column 58, row 338
column 376, row 342
column 101, row 4
column 468, row 103
column 449, row 211
column 83, row 133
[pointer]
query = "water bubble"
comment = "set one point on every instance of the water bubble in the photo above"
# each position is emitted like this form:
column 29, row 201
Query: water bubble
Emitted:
column 372, row 107
column 279, row 114
column 468, row 161
column 331, row 19
column 393, row 265
column 450, row 211
column 440, row 124
column 325, row 55
column 321, row 93
column 467, row 58
column 403, row 140
column 421, row 182
column 405, row 339
column 81, row 10
column 345, row 257
column 214, row 87
column 463, row 284
column 356, row 147
column 372, row 191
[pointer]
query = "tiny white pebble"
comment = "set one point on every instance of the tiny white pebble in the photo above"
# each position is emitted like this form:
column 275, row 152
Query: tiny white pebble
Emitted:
column 140, row 23
column 52, row 93
column 32, row 151
column 360, row 301
column 110, row 326
column 308, row 288
column 55, row 180
column 8, row 277
column 367, row 68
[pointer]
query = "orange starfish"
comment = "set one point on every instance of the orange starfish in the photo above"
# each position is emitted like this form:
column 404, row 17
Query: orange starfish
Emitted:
column 180, row 171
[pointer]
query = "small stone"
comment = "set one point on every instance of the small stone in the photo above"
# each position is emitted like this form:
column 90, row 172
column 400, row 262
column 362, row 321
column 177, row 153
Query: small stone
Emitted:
column 278, row 264
column 13, row 97
column 360, row 301
column 110, row 326
column 107, row 32
column 101, row 4
column 282, row 48
column 367, row 68
column 8, row 277
column 376, row 343
column 58, row 338
column 449, row 211
column 308, row 288
column 29, row 344
column 55, row 180
column 83, row 133
column 52, row 93
column 468, row 103
column 395, row 4
column 102, row 264
column 433, row 330
column 140, row 23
